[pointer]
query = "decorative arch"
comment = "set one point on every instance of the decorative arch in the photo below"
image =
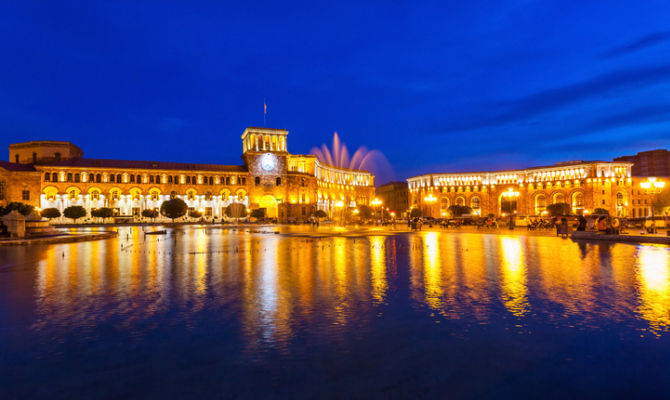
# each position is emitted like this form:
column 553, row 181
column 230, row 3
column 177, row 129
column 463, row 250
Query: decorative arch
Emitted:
column 558, row 197
column 241, row 194
column 460, row 201
column 135, row 193
column 475, row 203
column 224, row 193
column 540, row 203
column 73, row 192
column 154, row 193
column 577, row 201
column 115, row 193
column 191, row 193
column 444, row 203
column 50, row 192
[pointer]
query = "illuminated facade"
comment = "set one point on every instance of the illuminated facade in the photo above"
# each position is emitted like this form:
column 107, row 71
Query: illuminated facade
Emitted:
column 585, row 186
column 288, row 187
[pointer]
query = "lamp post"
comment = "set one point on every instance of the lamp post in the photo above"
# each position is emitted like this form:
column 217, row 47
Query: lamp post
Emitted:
column 377, row 203
column 430, row 200
column 652, row 186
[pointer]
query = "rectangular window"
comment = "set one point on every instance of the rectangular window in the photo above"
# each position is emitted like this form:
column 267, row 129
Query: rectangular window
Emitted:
column 2, row 190
column 25, row 195
column 603, row 201
column 151, row 179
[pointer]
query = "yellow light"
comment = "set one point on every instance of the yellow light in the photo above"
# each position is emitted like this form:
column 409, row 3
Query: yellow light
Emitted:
column 202, row 210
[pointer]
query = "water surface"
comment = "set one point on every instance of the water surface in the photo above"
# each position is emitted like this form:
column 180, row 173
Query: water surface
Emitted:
column 253, row 313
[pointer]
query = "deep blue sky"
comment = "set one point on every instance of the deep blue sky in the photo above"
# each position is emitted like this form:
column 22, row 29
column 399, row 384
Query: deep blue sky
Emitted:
column 442, row 86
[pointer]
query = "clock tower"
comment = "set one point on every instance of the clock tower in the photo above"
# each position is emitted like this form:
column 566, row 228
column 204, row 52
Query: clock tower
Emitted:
column 264, row 155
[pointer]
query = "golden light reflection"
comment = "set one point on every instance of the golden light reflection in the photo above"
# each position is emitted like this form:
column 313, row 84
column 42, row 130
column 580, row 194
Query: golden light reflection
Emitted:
column 432, row 271
column 654, row 281
column 513, row 279
column 378, row 267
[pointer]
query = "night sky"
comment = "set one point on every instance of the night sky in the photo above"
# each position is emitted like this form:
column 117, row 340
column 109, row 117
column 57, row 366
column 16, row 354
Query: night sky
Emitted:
column 443, row 86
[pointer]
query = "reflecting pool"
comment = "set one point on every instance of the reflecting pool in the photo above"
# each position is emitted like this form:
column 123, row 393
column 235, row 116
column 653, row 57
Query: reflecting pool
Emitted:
column 292, row 312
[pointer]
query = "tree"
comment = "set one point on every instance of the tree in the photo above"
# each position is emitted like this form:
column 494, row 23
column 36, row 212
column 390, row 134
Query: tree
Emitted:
column 258, row 213
column 457, row 210
column 600, row 211
column 174, row 208
column 364, row 211
column 236, row 210
column 50, row 213
column 194, row 214
column 415, row 213
column 74, row 212
column 102, row 212
column 22, row 208
column 661, row 203
column 558, row 209
column 150, row 214
column 320, row 214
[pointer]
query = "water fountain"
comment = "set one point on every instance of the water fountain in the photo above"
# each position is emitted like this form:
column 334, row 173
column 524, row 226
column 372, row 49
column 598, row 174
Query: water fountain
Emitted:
column 363, row 159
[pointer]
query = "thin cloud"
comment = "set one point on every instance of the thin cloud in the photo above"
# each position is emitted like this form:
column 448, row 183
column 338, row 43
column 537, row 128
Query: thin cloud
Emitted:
column 530, row 106
column 640, row 44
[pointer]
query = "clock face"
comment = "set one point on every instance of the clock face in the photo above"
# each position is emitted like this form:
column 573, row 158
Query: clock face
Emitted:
column 268, row 162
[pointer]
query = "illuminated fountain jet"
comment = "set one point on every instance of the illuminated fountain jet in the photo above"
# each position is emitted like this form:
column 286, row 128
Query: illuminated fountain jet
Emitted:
column 363, row 159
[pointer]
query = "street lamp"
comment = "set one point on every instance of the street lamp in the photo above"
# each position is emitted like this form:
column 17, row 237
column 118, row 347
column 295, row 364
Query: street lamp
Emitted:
column 376, row 202
column 430, row 199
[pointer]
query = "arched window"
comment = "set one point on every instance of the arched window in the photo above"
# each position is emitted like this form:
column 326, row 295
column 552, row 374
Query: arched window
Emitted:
column 118, row 178
column 188, row 179
column 194, row 180
column 257, row 181
column 211, row 180
column 98, row 178
column 475, row 203
column 54, row 177
column 132, row 178
column 111, row 178
column 158, row 179
column 138, row 179
column 176, row 180
column 227, row 180
column 559, row 198
column 578, row 200
column 540, row 203
column 169, row 179
column 77, row 177
column 444, row 204
column 619, row 199
column 460, row 201
column 69, row 177
column 47, row 177
column 278, row 182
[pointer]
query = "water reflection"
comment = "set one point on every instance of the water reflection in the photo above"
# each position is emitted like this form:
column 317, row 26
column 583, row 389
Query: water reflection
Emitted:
column 654, row 279
column 513, row 277
column 277, row 286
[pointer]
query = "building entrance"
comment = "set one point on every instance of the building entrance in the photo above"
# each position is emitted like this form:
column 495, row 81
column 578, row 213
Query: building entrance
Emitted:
column 269, row 203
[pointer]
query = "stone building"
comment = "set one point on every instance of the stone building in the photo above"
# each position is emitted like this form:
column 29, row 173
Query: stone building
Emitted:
column 20, row 183
column 394, row 196
column 286, row 186
column 652, row 163
column 583, row 185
